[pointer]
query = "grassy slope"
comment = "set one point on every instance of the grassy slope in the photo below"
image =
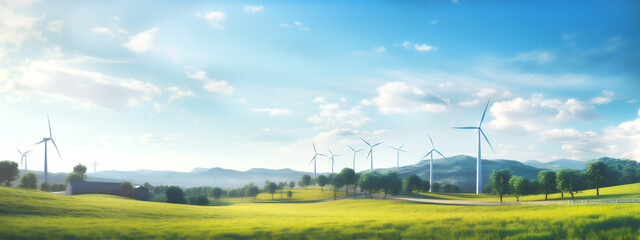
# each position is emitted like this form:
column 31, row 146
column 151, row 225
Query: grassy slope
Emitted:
column 621, row 191
column 32, row 214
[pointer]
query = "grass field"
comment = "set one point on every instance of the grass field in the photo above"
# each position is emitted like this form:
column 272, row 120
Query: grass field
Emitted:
column 622, row 191
column 299, row 195
column 30, row 214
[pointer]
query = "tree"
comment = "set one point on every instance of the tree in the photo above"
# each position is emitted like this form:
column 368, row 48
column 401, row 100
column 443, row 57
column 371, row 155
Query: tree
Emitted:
column 289, row 194
column 281, row 187
column 252, row 191
column 202, row 201
column 450, row 188
column 75, row 177
column 292, row 184
column 412, row 183
column 500, row 181
column 547, row 182
column 424, row 186
column 322, row 180
column 217, row 192
column 82, row 169
column 305, row 181
column 519, row 186
column 435, row 187
column 337, row 181
column 8, row 172
column 28, row 181
column 350, row 178
column 368, row 182
column 148, row 186
column 270, row 188
column 126, row 189
column 175, row 195
column 597, row 173
column 570, row 181
column 45, row 186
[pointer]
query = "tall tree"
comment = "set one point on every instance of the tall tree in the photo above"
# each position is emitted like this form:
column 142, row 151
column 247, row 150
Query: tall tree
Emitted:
column 500, row 181
column 270, row 187
column 305, row 181
column 350, row 178
column 8, row 172
column 217, row 192
column 436, row 187
column 175, row 195
column 570, row 181
column 126, row 189
column 252, row 191
column 412, row 183
column 322, row 180
column 390, row 183
column 519, row 186
column 337, row 181
column 292, row 184
column 368, row 182
column 597, row 173
column 28, row 181
column 424, row 186
column 547, row 181
column 82, row 169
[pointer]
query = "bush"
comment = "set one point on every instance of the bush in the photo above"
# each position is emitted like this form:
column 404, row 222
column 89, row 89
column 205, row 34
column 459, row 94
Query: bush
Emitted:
column 126, row 190
column 75, row 177
column 28, row 181
column 175, row 195
column 45, row 186
column 202, row 201
column 8, row 172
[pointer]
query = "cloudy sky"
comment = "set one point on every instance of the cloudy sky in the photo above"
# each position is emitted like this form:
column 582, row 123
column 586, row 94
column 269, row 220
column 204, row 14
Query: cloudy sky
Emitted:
column 178, row 85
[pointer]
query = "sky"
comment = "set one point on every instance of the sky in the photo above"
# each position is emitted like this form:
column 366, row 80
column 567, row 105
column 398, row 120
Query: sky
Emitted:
column 174, row 85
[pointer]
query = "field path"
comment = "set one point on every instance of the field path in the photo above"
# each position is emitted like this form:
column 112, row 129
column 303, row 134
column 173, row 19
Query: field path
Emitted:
column 496, row 203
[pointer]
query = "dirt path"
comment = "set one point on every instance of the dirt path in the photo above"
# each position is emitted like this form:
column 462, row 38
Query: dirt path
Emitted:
column 496, row 203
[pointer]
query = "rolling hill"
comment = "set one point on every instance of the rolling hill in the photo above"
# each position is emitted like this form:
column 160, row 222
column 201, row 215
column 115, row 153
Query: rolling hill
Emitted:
column 558, row 164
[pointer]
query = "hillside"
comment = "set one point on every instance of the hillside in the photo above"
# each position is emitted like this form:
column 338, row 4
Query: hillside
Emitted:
column 558, row 164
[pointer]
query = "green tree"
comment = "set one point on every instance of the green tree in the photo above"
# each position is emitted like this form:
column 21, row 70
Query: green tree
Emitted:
column 500, row 181
column 547, row 182
column 436, row 187
column 126, row 189
column 217, row 192
column 289, row 194
column 292, row 184
column 175, row 195
column 28, row 181
column 424, row 186
column 570, row 181
column 390, row 183
column 202, row 201
column 148, row 186
column 305, row 181
column 45, row 186
column 368, row 182
column 350, row 178
column 82, row 169
column 270, row 188
column 75, row 177
column 450, row 188
column 337, row 181
column 519, row 186
column 597, row 173
column 8, row 172
column 281, row 187
column 252, row 191
column 322, row 180
column 412, row 183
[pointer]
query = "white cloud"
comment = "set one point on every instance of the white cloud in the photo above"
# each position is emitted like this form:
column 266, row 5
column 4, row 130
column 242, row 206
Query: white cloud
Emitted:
column 539, row 57
column 423, row 47
column 274, row 111
column 214, row 18
column 142, row 41
column 284, row 25
column 536, row 113
column 102, row 30
column 471, row 103
column 406, row 44
column 433, row 22
column 253, row 9
column 445, row 84
column 55, row 26
column 600, row 100
column 16, row 28
column 221, row 87
column 574, row 141
column 486, row 92
column 150, row 138
column 625, row 139
column 319, row 99
column 380, row 49
column 562, row 135
column 398, row 97
column 58, row 80
column 295, row 24
column 332, row 115
column 159, row 107
column 177, row 93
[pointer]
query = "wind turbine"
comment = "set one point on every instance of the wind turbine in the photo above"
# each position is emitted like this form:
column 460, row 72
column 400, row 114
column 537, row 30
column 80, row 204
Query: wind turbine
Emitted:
column 354, row 156
column 479, row 161
column 23, row 157
column 314, row 159
column 332, row 159
column 398, row 150
column 433, row 148
column 370, row 152
column 45, row 140
column 94, row 165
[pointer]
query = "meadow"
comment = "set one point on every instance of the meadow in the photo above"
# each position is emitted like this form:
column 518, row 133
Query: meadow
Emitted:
column 30, row 214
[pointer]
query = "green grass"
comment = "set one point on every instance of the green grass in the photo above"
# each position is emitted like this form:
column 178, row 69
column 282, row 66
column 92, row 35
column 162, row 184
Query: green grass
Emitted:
column 30, row 214
column 621, row 191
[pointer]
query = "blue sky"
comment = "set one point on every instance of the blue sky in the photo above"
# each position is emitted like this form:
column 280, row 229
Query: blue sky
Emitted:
column 178, row 85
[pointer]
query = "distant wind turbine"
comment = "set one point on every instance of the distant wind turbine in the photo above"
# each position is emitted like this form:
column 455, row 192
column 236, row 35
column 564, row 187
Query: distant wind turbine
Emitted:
column 479, row 161
column 354, row 156
column 314, row 159
column 45, row 140
column 332, row 158
column 433, row 149
column 398, row 150
column 94, row 165
column 370, row 152
column 23, row 158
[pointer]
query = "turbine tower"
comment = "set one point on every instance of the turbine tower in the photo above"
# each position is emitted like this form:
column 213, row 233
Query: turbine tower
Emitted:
column 94, row 165
column 23, row 158
column 332, row 159
column 45, row 140
column 370, row 152
column 354, row 156
column 433, row 149
column 398, row 150
column 479, row 161
column 314, row 159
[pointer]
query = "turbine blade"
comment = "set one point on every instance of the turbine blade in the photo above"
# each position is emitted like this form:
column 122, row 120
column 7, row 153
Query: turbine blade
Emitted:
column 50, row 135
column 25, row 153
column 313, row 158
column 484, row 113
column 351, row 148
column 431, row 140
column 365, row 159
column 485, row 138
column 314, row 147
column 401, row 146
column 465, row 127
column 40, row 142
column 19, row 151
column 54, row 144
column 365, row 142
column 320, row 154
column 425, row 156
column 403, row 151
column 395, row 149
column 376, row 144
column 330, row 152
column 441, row 154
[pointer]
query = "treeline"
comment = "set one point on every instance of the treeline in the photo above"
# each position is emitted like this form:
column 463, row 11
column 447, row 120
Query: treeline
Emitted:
column 600, row 173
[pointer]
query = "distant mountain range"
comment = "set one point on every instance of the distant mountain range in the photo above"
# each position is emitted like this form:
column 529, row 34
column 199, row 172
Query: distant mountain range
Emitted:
column 459, row 170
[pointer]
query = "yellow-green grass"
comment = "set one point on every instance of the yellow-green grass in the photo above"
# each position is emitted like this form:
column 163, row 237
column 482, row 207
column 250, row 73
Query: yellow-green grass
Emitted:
column 30, row 214
column 621, row 191
column 299, row 195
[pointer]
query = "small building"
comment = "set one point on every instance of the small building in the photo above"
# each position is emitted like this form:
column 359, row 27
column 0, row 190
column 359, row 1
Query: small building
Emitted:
column 110, row 188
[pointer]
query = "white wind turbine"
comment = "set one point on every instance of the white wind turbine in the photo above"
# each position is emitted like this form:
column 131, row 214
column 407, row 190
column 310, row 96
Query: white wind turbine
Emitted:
column 354, row 156
column 479, row 161
column 45, row 140
column 332, row 158
column 398, row 150
column 23, row 158
column 94, row 165
column 315, row 156
column 370, row 152
column 433, row 149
